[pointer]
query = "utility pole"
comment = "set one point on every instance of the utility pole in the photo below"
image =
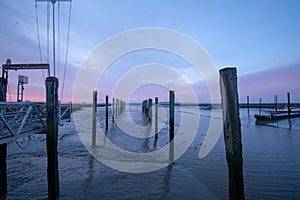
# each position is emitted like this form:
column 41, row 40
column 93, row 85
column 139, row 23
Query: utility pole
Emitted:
column 53, row 29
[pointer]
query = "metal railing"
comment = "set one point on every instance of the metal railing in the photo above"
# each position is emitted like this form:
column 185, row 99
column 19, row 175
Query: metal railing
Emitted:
column 21, row 119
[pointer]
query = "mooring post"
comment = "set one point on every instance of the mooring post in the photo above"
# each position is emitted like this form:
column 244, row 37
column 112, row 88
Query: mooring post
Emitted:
column 113, row 110
column 94, row 120
column 150, row 110
column 52, row 136
column 289, row 110
column 156, row 118
column 106, row 112
column 259, row 106
column 232, row 132
column 171, row 121
column 3, row 147
column 117, row 102
column 248, row 106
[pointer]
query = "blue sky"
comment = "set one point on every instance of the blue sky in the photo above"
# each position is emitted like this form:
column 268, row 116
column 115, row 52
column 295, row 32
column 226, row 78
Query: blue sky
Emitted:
column 260, row 38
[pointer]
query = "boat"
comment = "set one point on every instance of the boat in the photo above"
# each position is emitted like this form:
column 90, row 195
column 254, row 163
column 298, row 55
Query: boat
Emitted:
column 277, row 115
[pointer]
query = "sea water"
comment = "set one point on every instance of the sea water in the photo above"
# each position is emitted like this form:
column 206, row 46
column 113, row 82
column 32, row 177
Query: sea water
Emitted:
column 271, row 157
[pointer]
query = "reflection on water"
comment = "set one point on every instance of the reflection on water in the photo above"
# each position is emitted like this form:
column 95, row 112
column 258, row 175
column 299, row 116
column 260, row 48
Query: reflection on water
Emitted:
column 270, row 166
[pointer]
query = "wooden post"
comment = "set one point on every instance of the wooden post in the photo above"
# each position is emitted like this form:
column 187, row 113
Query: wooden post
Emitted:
column 289, row 110
column 156, row 118
column 3, row 147
column 232, row 132
column 259, row 106
column 106, row 112
column 52, row 136
column 248, row 106
column 113, row 110
column 150, row 110
column 171, row 121
column 275, row 102
column 94, row 120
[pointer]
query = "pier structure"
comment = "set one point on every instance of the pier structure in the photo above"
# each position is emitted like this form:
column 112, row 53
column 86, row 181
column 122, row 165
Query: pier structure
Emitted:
column 22, row 119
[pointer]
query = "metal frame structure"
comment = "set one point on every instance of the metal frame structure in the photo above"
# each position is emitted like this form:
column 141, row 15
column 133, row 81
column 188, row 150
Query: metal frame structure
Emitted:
column 20, row 119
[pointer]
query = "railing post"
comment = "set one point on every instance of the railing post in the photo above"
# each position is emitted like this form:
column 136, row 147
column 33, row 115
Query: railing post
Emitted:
column 3, row 147
column 232, row 132
column 156, row 118
column 94, row 118
column 52, row 136
column 171, row 129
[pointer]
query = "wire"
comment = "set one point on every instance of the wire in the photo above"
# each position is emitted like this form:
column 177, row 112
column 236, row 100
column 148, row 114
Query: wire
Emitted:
column 48, row 29
column 58, row 38
column 67, row 51
column 38, row 35
column 53, row 35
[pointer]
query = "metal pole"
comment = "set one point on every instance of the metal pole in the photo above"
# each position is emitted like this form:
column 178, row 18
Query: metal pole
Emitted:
column 53, row 2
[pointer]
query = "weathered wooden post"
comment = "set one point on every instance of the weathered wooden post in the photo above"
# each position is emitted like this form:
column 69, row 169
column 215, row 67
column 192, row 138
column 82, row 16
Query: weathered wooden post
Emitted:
column 232, row 132
column 289, row 110
column 276, row 102
column 3, row 147
column 106, row 112
column 156, row 118
column 113, row 110
column 150, row 110
column 171, row 122
column 52, row 136
column 117, row 108
column 248, row 106
column 259, row 106
column 94, row 118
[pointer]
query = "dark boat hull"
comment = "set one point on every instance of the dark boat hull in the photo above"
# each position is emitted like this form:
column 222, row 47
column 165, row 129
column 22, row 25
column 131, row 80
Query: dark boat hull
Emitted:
column 276, row 116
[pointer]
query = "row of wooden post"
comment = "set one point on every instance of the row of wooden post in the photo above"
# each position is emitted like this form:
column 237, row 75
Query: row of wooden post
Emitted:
column 118, row 106
column 147, row 110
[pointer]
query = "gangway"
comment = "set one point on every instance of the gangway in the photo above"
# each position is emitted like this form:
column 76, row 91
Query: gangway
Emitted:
column 21, row 119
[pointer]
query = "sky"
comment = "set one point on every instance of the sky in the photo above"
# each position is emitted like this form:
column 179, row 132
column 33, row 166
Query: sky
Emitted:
column 258, row 37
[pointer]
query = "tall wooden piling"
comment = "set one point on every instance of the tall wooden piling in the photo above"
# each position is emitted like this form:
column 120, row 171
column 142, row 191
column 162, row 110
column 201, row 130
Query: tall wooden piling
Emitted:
column 113, row 110
column 94, row 118
column 156, row 118
column 232, row 132
column 3, row 147
column 171, row 128
column 150, row 110
column 52, row 136
column 248, row 106
column 259, row 106
column 106, row 112
column 289, row 109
